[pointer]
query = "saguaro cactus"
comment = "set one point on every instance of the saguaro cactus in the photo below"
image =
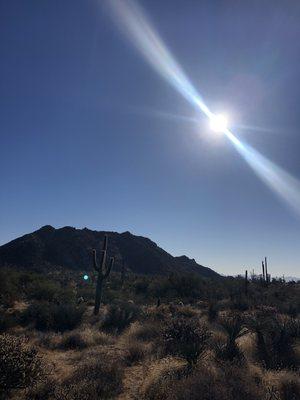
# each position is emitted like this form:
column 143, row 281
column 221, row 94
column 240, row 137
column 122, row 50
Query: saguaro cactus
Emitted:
column 246, row 282
column 263, row 272
column 266, row 271
column 103, row 273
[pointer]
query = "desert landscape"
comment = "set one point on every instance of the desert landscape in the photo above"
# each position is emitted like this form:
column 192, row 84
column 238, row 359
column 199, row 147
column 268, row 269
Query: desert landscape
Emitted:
column 149, row 200
column 161, row 335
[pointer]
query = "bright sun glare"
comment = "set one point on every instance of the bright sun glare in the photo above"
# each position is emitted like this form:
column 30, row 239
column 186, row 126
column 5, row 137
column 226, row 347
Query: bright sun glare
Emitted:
column 218, row 123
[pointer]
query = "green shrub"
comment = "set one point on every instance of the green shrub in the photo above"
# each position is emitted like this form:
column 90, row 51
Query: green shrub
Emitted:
column 56, row 317
column 43, row 290
column 275, row 340
column 20, row 365
column 120, row 315
column 186, row 338
column 9, row 287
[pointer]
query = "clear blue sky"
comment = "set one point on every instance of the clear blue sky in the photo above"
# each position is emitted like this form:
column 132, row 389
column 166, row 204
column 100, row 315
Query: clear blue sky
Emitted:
column 89, row 134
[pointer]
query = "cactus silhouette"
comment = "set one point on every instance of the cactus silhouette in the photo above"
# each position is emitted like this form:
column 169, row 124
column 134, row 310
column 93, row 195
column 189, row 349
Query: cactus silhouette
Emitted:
column 246, row 282
column 103, row 273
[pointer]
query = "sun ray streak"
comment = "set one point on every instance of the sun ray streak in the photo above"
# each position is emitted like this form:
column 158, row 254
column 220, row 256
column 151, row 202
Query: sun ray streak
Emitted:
column 135, row 25
column 130, row 18
column 281, row 182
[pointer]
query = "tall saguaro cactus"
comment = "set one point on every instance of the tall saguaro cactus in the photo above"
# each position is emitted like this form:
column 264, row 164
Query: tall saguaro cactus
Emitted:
column 103, row 273
column 246, row 282
column 263, row 272
column 266, row 271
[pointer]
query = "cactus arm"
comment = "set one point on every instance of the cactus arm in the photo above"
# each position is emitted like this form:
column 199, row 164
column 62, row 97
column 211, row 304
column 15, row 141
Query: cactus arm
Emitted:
column 103, row 261
column 110, row 267
column 105, row 243
column 96, row 266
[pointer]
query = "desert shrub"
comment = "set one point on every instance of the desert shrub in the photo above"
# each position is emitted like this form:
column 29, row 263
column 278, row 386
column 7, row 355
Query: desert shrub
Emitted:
column 212, row 311
column 82, row 338
column 292, row 310
column 66, row 295
column 47, row 389
column 157, row 314
column 49, row 340
column 56, row 317
column 275, row 339
column 186, row 338
column 20, row 364
column 9, row 287
column 186, row 311
column 73, row 340
column 289, row 389
column 161, row 377
column 145, row 331
column 141, row 285
column 98, row 378
column 87, row 293
column 233, row 326
column 135, row 351
column 239, row 303
column 7, row 321
column 293, row 326
column 42, row 289
column 205, row 383
column 120, row 315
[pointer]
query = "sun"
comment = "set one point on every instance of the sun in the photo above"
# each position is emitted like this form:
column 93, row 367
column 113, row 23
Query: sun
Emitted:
column 218, row 123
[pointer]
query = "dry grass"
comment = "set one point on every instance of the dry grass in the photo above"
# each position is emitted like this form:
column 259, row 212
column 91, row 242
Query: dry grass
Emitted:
column 247, row 345
column 283, row 384
column 77, row 339
column 158, row 376
column 136, row 351
column 146, row 331
column 85, row 338
column 87, row 363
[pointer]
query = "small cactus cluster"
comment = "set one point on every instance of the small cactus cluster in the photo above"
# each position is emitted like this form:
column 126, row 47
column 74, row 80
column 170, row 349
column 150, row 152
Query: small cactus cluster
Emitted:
column 265, row 277
column 103, row 273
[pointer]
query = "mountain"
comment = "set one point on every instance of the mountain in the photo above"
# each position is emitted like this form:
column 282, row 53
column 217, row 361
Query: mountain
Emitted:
column 71, row 248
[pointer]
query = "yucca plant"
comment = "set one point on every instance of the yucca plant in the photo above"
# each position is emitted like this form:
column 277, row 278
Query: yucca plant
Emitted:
column 275, row 340
column 234, row 327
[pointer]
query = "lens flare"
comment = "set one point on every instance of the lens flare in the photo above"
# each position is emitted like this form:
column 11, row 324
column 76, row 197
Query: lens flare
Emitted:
column 134, row 24
column 218, row 123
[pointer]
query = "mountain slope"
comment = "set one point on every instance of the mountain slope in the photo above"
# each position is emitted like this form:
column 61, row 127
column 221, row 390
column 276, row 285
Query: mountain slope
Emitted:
column 72, row 248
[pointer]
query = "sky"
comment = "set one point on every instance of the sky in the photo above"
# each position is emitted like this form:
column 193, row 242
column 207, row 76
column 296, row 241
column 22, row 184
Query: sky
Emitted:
column 92, row 136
